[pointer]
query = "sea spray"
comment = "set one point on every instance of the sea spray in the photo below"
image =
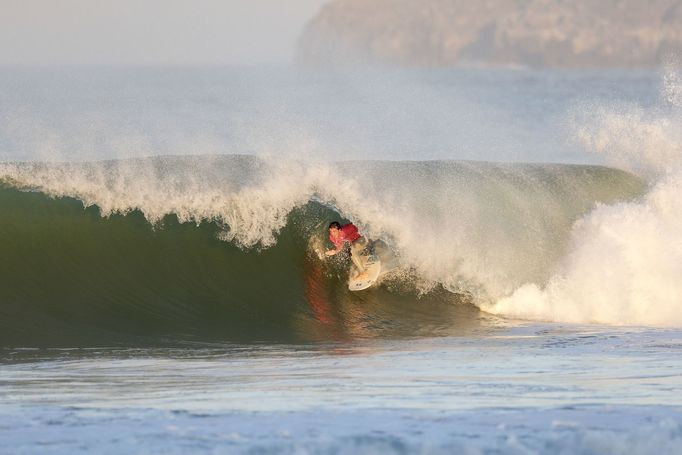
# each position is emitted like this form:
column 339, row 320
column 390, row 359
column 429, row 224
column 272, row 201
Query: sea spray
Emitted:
column 625, row 259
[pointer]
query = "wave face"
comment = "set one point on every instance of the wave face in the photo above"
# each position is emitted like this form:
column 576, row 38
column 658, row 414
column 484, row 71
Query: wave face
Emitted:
column 226, row 248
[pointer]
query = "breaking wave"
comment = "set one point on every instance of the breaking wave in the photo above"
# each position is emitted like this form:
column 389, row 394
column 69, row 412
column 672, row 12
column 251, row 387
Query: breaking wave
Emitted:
column 226, row 247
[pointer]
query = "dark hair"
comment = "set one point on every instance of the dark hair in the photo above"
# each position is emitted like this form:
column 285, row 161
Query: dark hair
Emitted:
column 334, row 224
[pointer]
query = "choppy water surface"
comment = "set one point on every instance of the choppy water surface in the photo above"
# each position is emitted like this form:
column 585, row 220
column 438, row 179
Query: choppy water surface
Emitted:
column 524, row 366
column 497, row 388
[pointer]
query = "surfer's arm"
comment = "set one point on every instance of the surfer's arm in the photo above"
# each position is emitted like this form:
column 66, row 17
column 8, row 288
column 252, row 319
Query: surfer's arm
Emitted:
column 335, row 250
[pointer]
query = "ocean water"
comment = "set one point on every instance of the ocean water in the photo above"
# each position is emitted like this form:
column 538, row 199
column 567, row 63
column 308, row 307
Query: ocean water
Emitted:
column 162, row 287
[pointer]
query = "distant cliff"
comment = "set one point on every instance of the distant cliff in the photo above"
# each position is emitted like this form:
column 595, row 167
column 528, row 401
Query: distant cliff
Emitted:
column 537, row 33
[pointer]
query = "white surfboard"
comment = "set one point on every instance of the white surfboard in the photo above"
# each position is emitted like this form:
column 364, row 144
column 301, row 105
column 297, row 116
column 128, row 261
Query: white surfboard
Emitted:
column 373, row 269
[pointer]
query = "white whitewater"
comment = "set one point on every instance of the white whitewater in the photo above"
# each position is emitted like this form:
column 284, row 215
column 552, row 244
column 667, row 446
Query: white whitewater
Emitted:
column 625, row 260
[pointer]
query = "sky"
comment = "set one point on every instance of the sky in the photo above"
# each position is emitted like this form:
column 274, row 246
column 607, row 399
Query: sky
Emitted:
column 151, row 32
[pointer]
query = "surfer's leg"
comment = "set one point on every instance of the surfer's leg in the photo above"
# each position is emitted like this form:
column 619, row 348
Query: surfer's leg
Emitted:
column 357, row 260
column 356, row 249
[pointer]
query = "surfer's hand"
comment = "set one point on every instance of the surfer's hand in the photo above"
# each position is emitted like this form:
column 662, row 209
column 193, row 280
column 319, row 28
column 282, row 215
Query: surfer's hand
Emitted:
column 330, row 252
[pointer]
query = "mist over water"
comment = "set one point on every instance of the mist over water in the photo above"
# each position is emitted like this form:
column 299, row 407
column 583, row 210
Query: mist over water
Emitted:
column 508, row 116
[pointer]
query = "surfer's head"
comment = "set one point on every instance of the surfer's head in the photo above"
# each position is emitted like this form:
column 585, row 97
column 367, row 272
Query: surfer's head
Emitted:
column 334, row 230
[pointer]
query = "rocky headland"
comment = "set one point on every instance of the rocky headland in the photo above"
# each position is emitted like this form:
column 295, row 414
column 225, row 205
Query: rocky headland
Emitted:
column 505, row 33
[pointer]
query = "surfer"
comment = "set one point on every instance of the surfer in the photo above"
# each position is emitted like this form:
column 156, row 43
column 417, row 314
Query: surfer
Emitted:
column 339, row 235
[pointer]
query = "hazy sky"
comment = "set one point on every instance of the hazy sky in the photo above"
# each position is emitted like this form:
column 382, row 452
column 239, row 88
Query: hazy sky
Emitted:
column 115, row 32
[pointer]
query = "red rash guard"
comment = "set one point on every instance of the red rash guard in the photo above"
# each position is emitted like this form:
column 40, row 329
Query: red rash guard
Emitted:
column 347, row 233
